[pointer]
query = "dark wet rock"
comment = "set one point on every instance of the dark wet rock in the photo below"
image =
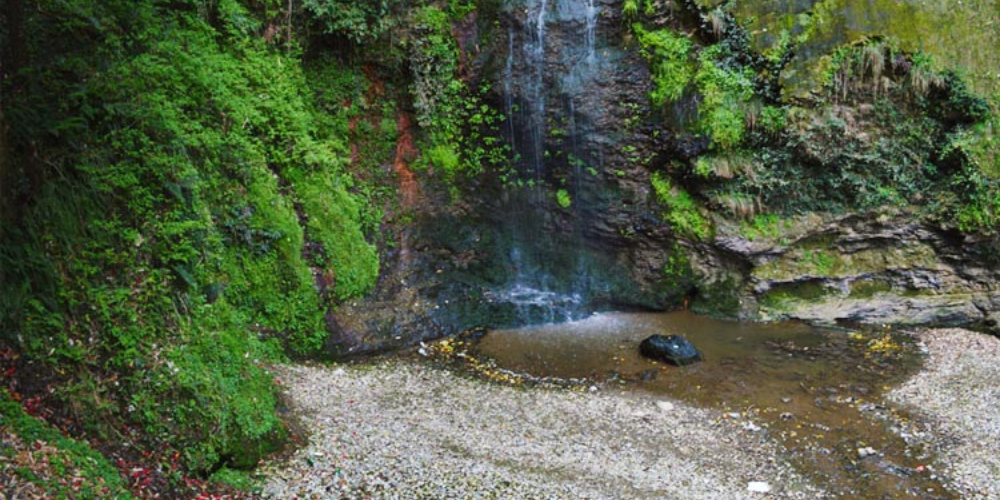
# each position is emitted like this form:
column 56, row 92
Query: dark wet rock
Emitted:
column 673, row 349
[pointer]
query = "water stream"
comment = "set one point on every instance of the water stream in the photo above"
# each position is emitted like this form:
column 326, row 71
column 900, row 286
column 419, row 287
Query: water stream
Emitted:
column 816, row 391
column 548, row 276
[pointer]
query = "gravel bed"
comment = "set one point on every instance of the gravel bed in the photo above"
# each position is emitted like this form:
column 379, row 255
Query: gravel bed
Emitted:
column 402, row 429
column 956, row 398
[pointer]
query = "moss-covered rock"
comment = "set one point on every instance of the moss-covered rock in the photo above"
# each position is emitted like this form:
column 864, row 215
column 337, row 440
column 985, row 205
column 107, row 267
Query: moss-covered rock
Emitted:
column 958, row 36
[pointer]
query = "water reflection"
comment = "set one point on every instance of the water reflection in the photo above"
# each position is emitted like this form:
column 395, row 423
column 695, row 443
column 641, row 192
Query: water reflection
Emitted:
column 818, row 391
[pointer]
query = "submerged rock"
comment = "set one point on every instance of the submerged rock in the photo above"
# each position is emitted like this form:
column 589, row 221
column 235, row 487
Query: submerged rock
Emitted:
column 673, row 349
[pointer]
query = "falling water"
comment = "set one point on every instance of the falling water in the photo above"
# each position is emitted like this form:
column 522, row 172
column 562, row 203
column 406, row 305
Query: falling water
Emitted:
column 535, row 56
column 591, row 32
column 551, row 67
column 508, row 89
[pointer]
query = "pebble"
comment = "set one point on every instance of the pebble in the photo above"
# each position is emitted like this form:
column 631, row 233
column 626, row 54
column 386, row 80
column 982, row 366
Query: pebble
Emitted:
column 758, row 487
column 866, row 452
column 418, row 433
column 957, row 417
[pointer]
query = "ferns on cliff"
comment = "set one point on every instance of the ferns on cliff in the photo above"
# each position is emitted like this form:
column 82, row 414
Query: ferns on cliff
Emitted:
column 185, row 188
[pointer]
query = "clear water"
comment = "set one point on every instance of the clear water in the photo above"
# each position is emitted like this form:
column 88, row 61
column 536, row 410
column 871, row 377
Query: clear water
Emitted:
column 817, row 391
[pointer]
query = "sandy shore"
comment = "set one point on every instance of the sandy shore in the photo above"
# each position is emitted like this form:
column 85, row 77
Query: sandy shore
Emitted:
column 956, row 399
column 404, row 430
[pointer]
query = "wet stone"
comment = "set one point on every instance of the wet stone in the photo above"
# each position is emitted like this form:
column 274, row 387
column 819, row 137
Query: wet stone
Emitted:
column 673, row 349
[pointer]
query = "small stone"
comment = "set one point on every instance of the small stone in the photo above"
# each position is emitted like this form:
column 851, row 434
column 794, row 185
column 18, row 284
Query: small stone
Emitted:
column 867, row 451
column 758, row 487
column 786, row 400
column 665, row 406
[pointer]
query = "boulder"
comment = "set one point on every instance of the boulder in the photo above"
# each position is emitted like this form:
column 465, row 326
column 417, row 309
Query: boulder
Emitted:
column 673, row 349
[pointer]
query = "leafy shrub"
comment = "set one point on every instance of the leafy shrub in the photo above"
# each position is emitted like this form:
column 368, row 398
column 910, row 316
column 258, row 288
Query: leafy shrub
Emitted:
column 682, row 213
column 357, row 20
column 668, row 55
column 726, row 89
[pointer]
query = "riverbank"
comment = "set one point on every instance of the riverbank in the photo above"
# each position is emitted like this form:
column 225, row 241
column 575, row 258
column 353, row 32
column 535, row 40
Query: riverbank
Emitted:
column 403, row 429
column 956, row 399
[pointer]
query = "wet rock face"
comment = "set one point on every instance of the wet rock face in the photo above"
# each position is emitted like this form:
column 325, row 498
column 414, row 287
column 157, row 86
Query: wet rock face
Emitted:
column 576, row 98
column 575, row 92
column 673, row 349
column 867, row 269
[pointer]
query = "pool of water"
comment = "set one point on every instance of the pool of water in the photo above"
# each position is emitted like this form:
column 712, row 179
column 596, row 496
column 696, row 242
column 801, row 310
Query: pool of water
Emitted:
column 817, row 391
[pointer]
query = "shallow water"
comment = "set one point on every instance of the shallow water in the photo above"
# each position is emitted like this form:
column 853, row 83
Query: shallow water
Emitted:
column 817, row 391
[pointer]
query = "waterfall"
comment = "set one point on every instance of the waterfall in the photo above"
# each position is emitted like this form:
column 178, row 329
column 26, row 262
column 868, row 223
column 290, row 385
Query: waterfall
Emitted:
column 591, row 32
column 535, row 57
column 551, row 74
column 508, row 89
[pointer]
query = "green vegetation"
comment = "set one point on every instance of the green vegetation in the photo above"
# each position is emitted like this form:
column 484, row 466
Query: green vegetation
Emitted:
column 786, row 296
column 563, row 199
column 678, row 267
column 957, row 35
column 767, row 226
column 887, row 123
column 726, row 87
column 821, row 262
column 727, row 90
column 74, row 469
column 682, row 212
column 181, row 206
column 462, row 131
column 361, row 21
column 668, row 56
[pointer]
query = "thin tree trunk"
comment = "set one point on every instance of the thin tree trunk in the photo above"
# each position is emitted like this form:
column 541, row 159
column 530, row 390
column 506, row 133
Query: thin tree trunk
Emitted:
column 16, row 48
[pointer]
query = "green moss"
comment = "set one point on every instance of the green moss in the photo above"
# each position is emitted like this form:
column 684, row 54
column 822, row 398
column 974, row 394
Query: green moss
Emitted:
column 678, row 267
column 630, row 9
column 763, row 226
column 721, row 298
column 682, row 212
column 786, row 296
column 819, row 260
column 239, row 479
column 169, row 260
column 100, row 479
column 958, row 35
column 869, row 288
column 335, row 222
